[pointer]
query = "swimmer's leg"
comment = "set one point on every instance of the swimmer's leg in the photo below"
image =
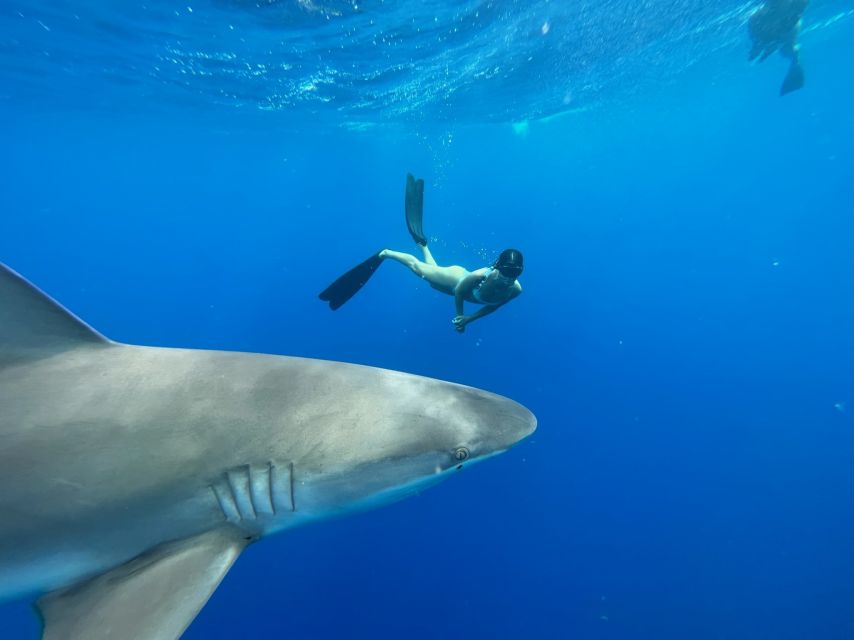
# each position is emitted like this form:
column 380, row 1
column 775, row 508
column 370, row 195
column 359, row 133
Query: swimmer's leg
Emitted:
column 406, row 259
column 444, row 279
column 428, row 257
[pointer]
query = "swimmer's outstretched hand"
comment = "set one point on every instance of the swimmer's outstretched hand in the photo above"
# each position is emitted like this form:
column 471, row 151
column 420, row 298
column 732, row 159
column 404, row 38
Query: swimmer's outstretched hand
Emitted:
column 460, row 323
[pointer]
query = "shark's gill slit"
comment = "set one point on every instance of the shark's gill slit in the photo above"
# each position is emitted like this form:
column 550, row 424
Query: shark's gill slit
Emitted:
column 238, row 480
column 291, row 474
column 222, row 492
column 282, row 487
column 251, row 484
column 260, row 489
column 270, row 487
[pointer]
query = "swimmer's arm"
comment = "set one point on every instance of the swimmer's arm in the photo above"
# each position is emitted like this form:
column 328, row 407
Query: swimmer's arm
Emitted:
column 492, row 308
column 484, row 311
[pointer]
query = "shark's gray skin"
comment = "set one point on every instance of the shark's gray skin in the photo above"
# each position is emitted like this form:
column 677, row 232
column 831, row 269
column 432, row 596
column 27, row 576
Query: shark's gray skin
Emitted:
column 775, row 27
column 131, row 478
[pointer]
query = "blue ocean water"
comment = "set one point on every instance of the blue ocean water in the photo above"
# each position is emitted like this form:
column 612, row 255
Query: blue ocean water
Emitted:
column 193, row 174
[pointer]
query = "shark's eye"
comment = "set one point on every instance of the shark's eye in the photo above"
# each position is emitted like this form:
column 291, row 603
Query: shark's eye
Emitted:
column 461, row 454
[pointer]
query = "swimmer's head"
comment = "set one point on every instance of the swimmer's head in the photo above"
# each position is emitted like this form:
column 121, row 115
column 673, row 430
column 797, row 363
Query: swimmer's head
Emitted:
column 509, row 264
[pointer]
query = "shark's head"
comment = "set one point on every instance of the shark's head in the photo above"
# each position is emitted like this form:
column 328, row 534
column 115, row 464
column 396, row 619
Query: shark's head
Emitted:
column 417, row 433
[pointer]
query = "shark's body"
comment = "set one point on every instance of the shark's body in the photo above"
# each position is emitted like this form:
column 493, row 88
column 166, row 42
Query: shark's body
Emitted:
column 132, row 477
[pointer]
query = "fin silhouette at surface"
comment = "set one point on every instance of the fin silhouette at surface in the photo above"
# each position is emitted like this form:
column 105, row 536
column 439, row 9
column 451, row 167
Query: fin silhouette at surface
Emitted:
column 794, row 79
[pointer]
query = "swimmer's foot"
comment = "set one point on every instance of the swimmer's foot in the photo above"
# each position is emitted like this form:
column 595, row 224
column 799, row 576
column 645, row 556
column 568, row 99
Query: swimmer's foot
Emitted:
column 348, row 285
column 414, row 204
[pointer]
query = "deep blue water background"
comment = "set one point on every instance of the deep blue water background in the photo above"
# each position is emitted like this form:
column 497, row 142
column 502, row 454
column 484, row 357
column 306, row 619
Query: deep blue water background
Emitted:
column 685, row 336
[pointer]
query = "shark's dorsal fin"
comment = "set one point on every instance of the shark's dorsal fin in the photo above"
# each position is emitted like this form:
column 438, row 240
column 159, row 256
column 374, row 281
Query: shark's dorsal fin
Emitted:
column 33, row 322
column 154, row 597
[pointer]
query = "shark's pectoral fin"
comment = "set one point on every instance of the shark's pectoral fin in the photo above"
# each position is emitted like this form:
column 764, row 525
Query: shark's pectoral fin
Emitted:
column 153, row 597
column 32, row 323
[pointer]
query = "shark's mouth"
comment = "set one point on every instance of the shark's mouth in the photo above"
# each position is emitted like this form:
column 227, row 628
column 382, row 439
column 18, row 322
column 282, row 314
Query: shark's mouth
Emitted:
column 366, row 487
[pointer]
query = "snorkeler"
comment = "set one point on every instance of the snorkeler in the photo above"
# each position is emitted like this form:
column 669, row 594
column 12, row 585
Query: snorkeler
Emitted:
column 774, row 27
column 492, row 287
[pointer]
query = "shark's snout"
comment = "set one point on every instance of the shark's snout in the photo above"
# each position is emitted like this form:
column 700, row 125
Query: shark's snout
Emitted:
column 527, row 427
column 517, row 422
column 501, row 422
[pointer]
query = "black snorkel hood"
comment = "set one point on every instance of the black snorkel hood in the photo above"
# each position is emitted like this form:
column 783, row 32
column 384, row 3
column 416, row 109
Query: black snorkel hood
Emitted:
column 509, row 263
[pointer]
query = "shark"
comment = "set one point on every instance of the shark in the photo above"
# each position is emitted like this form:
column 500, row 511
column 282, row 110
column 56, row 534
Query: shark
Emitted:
column 132, row 477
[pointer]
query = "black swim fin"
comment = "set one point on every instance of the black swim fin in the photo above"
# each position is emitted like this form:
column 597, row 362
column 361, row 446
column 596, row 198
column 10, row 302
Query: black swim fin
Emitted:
column 794, row 78
column 415, row 209
column 348, row 285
